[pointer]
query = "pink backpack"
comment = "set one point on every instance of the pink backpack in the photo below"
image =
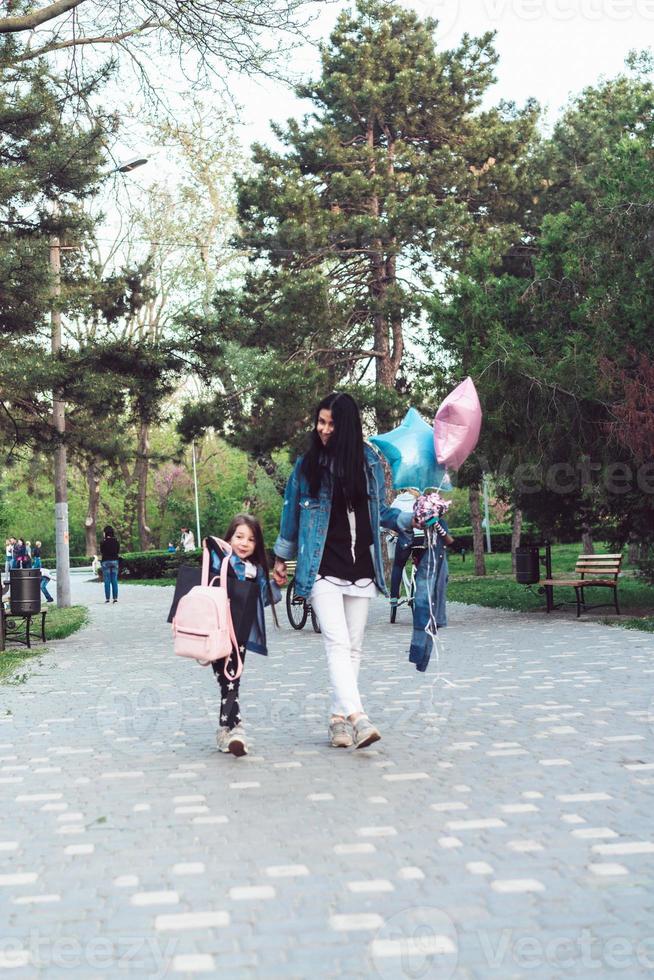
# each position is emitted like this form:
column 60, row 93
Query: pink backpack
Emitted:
column 202, row 625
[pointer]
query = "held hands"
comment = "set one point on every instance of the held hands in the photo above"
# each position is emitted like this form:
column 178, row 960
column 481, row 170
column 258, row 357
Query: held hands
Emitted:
column 280, row 575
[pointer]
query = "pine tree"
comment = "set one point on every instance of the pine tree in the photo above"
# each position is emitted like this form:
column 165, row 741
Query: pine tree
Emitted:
column 51, row 159
column 388, row 181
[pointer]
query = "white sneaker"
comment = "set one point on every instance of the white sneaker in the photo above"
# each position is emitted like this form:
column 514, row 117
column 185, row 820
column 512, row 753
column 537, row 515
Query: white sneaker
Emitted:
column 340, row 733
column 236, row 743
column 222, row 739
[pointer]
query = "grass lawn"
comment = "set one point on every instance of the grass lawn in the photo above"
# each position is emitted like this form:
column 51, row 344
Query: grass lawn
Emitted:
column 59, row 624
column 499, row 590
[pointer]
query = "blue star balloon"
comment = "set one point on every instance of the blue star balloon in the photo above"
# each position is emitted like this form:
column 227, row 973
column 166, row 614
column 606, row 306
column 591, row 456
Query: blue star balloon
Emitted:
column 411, row 456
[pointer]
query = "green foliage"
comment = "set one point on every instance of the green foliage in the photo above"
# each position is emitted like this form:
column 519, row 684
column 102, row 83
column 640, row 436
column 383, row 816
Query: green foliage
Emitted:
column 646, row 570
column 397, row 168
column 154, row 565
column 51, row 158
column 227, row 481
column 499, row 590
column 4, row 514
column 549, row 330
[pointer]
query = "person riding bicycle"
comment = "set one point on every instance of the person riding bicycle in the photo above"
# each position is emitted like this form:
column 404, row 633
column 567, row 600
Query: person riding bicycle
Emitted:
column 404, row 542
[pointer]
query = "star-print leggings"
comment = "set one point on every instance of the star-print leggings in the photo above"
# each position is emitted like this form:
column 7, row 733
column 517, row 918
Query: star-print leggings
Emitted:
column 230, row 712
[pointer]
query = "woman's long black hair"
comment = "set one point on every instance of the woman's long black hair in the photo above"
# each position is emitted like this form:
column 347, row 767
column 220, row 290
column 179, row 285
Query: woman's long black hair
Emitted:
column 343, row 453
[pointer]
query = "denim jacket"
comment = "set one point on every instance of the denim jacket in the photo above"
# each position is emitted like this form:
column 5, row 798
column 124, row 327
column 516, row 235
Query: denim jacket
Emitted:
column 305, row 520
column 430, row 598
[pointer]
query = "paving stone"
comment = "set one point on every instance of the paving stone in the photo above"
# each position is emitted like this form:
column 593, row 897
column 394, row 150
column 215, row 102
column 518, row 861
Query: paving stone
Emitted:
column 500, row 804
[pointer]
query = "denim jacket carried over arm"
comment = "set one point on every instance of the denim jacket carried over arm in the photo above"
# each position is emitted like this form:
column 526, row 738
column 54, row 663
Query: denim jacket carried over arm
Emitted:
column 305, row 520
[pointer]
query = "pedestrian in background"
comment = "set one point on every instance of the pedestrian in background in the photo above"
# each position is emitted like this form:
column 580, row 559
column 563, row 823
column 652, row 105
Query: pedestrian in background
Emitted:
column 334, row 504
column 403, row 545
column 36, row 555
column 21, row 558
column 46, row 577
column 109, row 550
column 187, row 540
column 9, row 554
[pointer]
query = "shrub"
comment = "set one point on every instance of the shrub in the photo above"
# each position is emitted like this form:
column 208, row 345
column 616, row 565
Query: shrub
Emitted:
column 500, row 537
column 156, row 564
column 646, row 570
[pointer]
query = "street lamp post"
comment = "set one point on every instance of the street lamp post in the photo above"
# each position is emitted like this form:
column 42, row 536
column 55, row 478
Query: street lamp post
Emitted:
column 197, row 504
column 59, row 422
column 62, row 548
column 486, row 517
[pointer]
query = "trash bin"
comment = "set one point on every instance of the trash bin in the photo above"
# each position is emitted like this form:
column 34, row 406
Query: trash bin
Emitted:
column 527, row 565
column 25, row 595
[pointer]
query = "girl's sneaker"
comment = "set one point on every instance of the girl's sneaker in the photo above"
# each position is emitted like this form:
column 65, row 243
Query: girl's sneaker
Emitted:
column 237, row 744
column 222, row 739
column 365, row 732
column 340, row 733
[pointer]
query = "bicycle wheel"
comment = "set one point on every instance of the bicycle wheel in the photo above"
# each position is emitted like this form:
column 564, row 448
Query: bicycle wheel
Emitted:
column 314, row 621
column 296, row 607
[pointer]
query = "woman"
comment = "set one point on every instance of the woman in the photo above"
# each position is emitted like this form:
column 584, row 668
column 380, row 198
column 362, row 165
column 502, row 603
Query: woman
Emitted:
column 36, row 555
column 334, row 505
column 21, row 558
column 9, row 555
column 109, row 551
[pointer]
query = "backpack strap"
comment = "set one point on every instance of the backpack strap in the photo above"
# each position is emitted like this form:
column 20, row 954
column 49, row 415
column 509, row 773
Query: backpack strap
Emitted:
column 224, row 568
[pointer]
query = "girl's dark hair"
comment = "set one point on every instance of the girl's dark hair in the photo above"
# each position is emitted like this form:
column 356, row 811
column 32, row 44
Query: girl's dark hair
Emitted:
column 259, row 555
column 109, row 531
column 344, row 451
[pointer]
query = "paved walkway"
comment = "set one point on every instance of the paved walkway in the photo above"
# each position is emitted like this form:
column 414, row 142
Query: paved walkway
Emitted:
column 503, row 827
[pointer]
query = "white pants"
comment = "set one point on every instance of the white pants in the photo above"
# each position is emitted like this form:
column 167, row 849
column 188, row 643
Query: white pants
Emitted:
column 343, row 620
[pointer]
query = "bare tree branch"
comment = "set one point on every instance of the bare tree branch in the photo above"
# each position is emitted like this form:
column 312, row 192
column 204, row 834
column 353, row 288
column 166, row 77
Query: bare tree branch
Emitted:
column 150, row 24
column 27, row 22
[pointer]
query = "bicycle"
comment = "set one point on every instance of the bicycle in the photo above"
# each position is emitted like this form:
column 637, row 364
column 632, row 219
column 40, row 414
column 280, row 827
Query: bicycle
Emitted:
column 299, row 608
column 408, row 583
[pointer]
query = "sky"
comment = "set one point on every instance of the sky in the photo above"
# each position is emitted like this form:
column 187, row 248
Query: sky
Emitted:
column 549, row 49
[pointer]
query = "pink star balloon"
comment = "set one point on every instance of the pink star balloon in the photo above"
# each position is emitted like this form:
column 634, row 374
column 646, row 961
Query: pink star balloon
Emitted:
column 457, row 425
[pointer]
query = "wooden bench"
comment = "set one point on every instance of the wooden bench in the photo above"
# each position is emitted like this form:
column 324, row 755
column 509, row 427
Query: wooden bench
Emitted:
column 591, row 571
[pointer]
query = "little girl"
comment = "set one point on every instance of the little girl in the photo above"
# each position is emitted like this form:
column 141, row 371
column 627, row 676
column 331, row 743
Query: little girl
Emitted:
column 250, row 591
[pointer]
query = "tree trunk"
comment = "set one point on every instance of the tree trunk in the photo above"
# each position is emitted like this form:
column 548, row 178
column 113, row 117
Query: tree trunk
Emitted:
column 91, row 522
column 587, row 546
column 377, row 289
column 477, row 531
column 516, row 533
column 62, row 551
column 142, row 467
